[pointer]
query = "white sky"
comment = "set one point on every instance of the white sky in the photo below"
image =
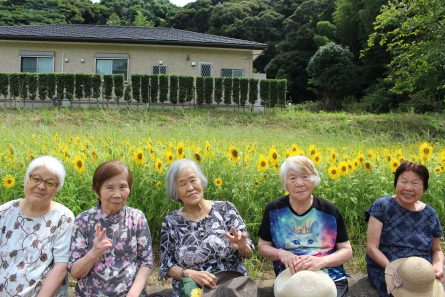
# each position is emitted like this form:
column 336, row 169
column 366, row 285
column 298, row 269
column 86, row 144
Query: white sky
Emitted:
column 181, row 2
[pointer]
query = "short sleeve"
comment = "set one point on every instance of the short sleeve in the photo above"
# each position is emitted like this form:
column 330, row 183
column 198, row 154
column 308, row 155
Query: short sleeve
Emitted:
column 378, row 209
column 61, row 248
column 144, row 243
column 264, row 231
column 167, row 249
column 437, row 227
column 342, row 233
column 79, row 240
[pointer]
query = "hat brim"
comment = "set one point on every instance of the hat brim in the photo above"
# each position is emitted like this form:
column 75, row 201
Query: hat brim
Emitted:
column 223, row 278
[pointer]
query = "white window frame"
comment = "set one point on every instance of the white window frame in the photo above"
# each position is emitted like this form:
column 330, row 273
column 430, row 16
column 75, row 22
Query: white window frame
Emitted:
column 200, row 68
column 106, row 56
column 232, row 70
column 159, row 68
column 37, row 55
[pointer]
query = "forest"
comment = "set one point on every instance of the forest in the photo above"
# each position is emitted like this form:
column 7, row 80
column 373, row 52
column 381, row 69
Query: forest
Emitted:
column 354, row 55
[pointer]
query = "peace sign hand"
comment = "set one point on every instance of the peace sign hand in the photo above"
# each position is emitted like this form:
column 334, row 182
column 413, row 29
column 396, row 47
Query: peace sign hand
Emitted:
column 100, row 242
column 238, row 240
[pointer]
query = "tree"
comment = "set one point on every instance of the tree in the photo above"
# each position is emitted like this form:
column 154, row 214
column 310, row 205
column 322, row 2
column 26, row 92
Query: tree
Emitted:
column 331, row 72
column 142, row 21
column 113, row 20
column 413, row 31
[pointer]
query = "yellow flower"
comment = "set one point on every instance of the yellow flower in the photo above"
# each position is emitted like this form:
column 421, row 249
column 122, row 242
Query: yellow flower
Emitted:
column 180, row 150
column 360, row 158
column 158, row 165
column 234, row 154
column 8, row 181
column 333, row 172
column 313, row 149
column 316, row 158
column 425, row 151
column 218, row 182
column 93, row 155
column 262, row 163
column 78, row 164
column 207, row 149
column 168, row 157
column 273, row 156
column 394, row 165
column 197, row 157
column 196, row 292
column 138, row 156
column 438, row 169
column 158, row 184
column 343, row 167
column 367, row 165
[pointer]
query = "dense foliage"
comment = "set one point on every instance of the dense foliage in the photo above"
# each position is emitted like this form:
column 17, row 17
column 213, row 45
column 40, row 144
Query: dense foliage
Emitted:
column 396, row 45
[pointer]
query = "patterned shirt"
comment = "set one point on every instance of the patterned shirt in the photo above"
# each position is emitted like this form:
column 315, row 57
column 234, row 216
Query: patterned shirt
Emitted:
column 113, row 274
column 315, row 232
column 29, row 247
column 201, row 245
column 405, row 233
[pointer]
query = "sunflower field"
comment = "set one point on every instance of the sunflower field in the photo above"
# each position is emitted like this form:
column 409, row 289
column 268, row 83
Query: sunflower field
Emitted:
column 244, row 171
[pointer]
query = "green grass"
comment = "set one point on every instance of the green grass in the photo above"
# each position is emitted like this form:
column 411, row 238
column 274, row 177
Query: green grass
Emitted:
column 118, row 133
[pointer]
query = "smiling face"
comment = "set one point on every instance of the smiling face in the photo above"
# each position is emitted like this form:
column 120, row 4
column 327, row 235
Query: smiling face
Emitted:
column 299, row 185
column 41, row 186
column 409, row 189
column 189, row 187
column 113, row 193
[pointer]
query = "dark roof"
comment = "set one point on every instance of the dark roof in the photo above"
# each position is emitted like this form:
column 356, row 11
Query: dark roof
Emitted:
column 121, row 34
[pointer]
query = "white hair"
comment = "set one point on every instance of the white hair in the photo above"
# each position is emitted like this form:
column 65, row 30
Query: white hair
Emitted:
column 299, row 164
column 51, row 164
column 175, row 169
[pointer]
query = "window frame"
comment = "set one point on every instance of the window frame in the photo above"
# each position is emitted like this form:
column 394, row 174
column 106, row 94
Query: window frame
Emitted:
column 108, row 56
column 36, row 55
column 159, row 67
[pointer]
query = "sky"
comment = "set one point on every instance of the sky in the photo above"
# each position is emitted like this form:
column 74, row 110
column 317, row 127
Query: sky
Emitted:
column 181, row 2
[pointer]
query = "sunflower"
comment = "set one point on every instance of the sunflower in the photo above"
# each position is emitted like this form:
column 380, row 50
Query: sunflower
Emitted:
column 197, row 157
column 294, row 148
column 168, row 157
column 207, row 149
column 158, row 184
column 425, row 151
column 262, row 163
column 218, row 182
column 234, row 154
column 394, row 165
column 196, row 292
column 78, row 164
column 180, row 150
column 367, row 165
column 138, row 156
column 438, row 170
column 333, row 172
column 313, row 150
column 93, row 155
column 273, row 156
column 360, row 158
column 316, row 158
column 343, row 168
column 8, row 181
column 158, row 165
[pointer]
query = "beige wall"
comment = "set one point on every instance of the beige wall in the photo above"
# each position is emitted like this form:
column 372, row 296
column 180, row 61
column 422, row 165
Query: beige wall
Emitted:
column 142, row 57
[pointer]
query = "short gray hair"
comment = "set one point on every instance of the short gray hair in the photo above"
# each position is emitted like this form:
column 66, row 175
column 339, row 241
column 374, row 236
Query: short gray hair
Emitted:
column 299, row 164
column 53, row 165
column 175, row 169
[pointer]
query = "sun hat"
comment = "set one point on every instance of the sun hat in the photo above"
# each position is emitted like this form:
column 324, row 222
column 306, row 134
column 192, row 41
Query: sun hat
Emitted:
column 232, row 284
column 412, row 277
column 305, row 283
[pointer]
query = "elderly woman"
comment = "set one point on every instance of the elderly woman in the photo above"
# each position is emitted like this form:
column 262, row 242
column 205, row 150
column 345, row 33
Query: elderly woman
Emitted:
column 202, row 236
column 35, row 235
column 111, row 252
column 301, row 231
column 402, row 226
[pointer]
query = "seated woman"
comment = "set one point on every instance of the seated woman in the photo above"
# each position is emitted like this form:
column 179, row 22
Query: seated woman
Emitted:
column 196, row 239
column 35, row 235
column 402, row 226
column 111, row 251
column 301, row 231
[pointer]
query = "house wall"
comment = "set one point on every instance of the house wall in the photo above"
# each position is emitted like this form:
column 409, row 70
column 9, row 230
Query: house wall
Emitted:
column 141, row 61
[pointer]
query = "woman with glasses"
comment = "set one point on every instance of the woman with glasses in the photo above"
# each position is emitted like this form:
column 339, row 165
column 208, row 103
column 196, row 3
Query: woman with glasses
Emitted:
column 111, row 251
column 35, row 235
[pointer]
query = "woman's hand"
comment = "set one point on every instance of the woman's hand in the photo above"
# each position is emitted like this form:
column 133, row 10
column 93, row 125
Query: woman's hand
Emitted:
column 288, row 259
column 203, row 278
column 438, row 271
column 100, row 242
column 309, row 263
column 238, row 240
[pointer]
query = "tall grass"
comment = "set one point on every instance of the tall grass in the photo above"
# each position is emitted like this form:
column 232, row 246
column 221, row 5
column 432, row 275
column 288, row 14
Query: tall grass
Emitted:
column 145, row 140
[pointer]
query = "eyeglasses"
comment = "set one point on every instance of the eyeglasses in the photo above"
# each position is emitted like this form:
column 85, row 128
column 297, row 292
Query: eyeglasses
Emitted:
column 38, row 180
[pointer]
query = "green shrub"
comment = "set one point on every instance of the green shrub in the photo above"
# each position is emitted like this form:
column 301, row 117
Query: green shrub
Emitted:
column 118, row 81
column 97, row 85
column 68, row 79
column 265, row 92
column 4, row 84
column 136, row 87
column 174, row 89
column 244, row 89
column 23, row 77
column 51, row 84
column 108, row 86
column 154, row 88
column 218, row 89
column 145, row 88
column 32, row 85
column 236, row 90
column 87, row 85
column 127, row 93
column 253, row 90
column 282, row 89
column 78, row 85
column 227, row 84
column 14, row 85
column 200, row 90
column 273, row 95
column 163, row 88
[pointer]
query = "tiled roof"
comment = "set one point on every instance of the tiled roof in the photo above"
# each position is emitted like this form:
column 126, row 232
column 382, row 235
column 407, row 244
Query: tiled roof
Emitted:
column 121, row 34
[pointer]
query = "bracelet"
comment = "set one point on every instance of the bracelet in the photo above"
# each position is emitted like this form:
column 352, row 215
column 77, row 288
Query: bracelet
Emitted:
column 183, row 273
column 277, row 253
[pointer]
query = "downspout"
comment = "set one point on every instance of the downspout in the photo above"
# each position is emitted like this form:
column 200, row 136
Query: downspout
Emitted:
column 63, row 61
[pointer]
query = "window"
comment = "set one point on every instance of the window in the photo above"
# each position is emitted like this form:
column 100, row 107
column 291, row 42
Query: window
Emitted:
column 206, row 69
column 36, row 61
column 112, row 66
column 226, row 72
column 159, row 69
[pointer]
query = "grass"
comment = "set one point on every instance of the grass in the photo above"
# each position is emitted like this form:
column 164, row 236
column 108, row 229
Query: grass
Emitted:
column 70, row 133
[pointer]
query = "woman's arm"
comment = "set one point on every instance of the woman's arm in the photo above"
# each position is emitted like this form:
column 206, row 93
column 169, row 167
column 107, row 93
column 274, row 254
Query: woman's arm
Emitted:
column 53, row 280
column 203, row 278
column 438, row 259
column 83, row 266
column 373, row 237
column 239, row 242
column 266, row 249
column 139, row 282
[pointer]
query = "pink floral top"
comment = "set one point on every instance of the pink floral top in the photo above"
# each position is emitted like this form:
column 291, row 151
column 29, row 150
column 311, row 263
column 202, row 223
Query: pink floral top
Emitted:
column 30, row 246
column 114, row 273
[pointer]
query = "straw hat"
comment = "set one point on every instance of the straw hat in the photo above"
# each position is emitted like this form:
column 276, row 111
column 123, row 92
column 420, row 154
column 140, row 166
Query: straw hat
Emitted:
column 412, row 277
column 304, row 283
column 232, row 283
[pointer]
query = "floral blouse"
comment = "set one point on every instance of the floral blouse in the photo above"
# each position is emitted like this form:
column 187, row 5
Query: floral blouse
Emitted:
column 114, row 273
column 29, row 247
column 201, row 245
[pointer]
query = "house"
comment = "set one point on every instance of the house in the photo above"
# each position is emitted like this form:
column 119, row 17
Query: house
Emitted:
column 125, row 50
